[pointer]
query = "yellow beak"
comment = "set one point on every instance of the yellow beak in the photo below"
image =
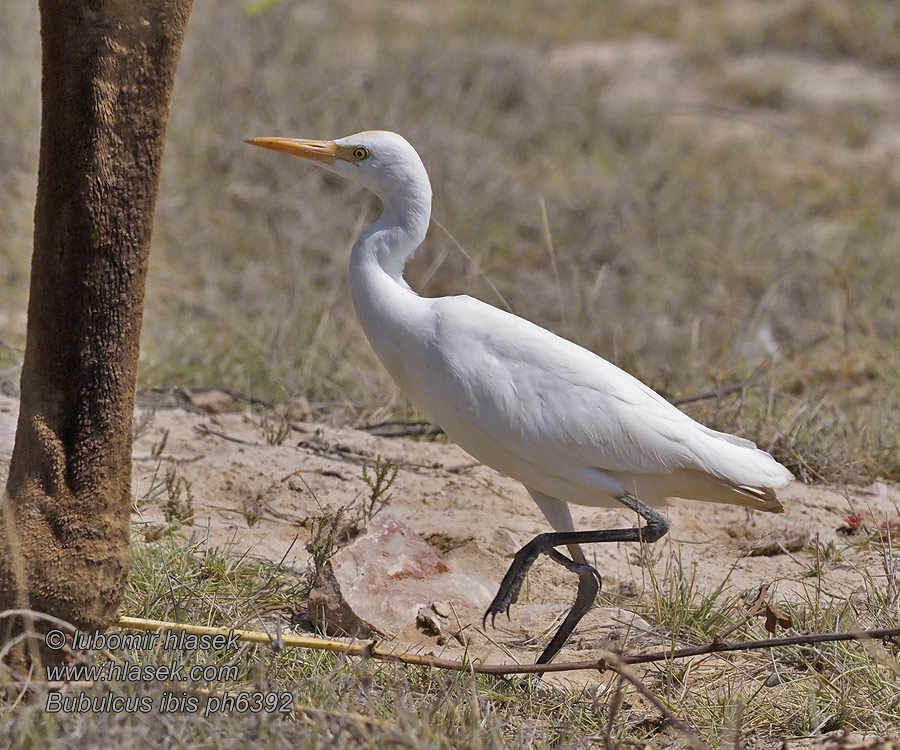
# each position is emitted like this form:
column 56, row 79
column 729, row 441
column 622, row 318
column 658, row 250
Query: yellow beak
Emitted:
column 322, row 151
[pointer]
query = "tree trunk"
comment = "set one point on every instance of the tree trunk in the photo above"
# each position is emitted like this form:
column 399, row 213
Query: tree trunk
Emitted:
column 108, row 72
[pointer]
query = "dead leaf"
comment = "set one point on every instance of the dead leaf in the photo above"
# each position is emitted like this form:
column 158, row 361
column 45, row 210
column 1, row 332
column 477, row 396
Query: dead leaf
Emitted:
column 775, row 618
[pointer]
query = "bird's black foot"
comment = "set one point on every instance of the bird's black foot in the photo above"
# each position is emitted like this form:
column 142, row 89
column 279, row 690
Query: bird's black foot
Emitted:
column 589, row 581
column 511, row 584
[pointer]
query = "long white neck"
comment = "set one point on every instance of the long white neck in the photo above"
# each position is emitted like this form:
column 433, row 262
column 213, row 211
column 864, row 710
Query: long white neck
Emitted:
column 387, row 309
column 391, row 240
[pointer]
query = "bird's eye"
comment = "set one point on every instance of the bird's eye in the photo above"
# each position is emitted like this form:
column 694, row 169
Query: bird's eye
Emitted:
column 360, row 153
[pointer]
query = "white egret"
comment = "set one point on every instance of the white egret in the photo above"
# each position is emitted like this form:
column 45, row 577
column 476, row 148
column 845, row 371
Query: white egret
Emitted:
column 570, row 426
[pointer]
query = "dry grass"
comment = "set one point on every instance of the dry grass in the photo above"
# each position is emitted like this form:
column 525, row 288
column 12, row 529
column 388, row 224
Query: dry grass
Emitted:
column 345, row 702
column 709, row 226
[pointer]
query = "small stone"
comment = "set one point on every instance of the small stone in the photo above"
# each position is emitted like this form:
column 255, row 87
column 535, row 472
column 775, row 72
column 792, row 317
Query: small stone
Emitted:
column 773, row 679
column 443, row 609
column 428, row 622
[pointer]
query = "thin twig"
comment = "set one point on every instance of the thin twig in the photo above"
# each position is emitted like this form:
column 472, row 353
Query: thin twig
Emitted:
column 615, row 704
column 204, row 430
column 617, row 665
column 472, row 261
column 719, row 392
column 394, row 429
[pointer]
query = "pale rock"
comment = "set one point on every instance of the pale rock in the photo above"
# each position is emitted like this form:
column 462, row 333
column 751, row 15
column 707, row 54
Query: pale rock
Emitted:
column 389, row 580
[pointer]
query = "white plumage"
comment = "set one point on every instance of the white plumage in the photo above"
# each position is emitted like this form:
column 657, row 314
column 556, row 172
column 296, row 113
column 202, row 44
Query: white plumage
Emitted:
column 570, row 426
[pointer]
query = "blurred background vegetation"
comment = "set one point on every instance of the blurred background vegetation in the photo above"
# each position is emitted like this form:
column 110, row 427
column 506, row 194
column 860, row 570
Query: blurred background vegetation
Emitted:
column 706, row 193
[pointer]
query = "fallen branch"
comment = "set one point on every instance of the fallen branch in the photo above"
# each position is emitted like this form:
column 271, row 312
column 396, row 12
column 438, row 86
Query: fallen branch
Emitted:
column 396, row 429
column 719, row 646
column 202, row 429
column 367, row 649
column 370, row 650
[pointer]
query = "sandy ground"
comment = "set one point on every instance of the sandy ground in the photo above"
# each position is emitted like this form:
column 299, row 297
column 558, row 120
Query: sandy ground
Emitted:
column 258, row 498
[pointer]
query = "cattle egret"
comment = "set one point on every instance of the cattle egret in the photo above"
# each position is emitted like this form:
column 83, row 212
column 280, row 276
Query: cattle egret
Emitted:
column 570, row 426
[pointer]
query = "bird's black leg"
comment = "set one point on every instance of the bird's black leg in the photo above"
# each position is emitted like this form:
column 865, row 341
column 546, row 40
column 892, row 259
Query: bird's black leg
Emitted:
column 589, row 583
column 589, row 579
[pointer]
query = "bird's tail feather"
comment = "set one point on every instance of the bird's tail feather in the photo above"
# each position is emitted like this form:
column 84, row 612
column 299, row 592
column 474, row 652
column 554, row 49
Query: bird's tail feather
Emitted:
column 701, row 486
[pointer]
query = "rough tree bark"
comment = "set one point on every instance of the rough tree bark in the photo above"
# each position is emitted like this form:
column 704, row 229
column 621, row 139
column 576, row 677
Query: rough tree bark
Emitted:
column 108, row 70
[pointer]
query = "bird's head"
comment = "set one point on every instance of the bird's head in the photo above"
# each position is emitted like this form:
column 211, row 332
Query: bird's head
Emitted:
column 381, row 161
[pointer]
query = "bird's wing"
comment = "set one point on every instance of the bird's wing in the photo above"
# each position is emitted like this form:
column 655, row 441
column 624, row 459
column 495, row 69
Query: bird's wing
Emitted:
column 561, row 406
